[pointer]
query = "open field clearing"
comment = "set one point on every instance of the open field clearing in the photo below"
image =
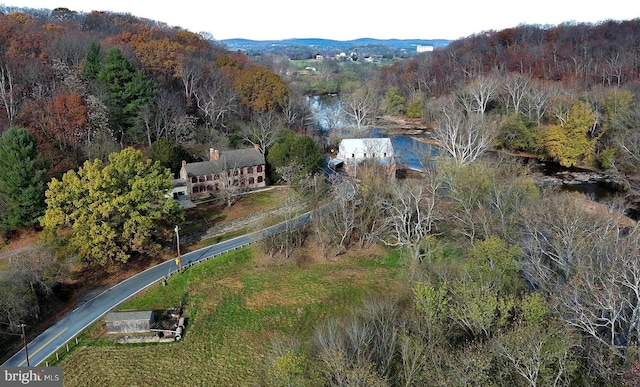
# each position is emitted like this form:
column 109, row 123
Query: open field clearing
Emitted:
column 236, row 305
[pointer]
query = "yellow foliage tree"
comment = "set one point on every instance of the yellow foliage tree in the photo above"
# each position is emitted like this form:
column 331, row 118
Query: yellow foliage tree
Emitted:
column 570, row 143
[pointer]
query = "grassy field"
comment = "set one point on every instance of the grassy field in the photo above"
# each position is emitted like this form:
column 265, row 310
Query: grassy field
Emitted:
column 236, row 304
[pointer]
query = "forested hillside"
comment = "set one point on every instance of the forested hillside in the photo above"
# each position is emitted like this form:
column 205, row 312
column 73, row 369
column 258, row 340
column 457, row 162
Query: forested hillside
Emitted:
column 88, row 84
column 566, row 93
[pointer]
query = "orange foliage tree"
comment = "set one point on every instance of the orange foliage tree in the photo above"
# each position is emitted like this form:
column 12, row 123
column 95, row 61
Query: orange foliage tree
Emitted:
column 260, row 89
column 63, row 119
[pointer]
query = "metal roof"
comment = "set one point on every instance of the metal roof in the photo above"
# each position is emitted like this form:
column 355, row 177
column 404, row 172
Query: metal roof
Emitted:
column 129, row 315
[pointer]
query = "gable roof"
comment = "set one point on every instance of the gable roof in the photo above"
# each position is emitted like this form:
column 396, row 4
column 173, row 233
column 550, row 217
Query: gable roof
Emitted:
column 231, row 159
column 360, row 146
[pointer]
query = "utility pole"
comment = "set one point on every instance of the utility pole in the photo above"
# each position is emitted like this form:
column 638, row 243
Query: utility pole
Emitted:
column 179, row 259
column 24, row 340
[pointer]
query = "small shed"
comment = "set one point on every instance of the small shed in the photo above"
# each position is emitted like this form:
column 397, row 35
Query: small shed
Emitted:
column 129, row 322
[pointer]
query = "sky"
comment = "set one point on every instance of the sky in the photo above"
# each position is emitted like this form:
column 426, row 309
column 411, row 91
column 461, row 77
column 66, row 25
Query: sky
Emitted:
column 352, row 19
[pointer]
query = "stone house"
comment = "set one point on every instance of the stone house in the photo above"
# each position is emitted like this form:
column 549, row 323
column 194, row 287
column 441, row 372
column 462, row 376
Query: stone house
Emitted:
column 237, row 169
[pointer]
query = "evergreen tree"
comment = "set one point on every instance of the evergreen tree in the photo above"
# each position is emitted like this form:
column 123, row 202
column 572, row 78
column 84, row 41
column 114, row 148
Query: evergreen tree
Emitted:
column 23, row 181
column 92, row 62
column 128, row 90
column 297, row 149
column 112, row 210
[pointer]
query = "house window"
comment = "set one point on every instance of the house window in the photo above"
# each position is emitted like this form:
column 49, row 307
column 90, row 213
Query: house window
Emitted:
column 209, row 188
column 251, row 180
column 259, row 179
column 194, row 179
column 249, row 169
column 201, row 179
column 259, row 168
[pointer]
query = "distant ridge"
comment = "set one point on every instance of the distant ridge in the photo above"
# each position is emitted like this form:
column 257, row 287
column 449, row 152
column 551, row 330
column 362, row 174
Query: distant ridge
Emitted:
column 406, row 44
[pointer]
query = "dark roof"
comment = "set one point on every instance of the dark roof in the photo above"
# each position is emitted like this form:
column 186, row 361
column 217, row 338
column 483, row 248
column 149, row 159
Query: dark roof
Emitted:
column 231, row 159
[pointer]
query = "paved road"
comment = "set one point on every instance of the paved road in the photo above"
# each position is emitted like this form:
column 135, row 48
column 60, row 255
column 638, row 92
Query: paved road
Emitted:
column 69, row 326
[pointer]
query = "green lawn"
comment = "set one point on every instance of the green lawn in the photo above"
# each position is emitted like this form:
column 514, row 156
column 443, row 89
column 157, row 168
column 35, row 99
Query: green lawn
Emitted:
column 237, row 304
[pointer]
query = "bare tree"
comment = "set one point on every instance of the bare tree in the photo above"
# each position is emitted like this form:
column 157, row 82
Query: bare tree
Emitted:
column 263, row 130
column 217, row 101
column 360, row 104
column 292, row 237
column 230, row 182
column 464, row 138
column 336, row 224
column 27, row 283
column 537, row 101
column 297, row 113
column 411, row 215
column 516, row 86
column 190, row 74
column 167, row 118
column 586, row 265
column 477, row 94
column 8, row 93
column 627, row 137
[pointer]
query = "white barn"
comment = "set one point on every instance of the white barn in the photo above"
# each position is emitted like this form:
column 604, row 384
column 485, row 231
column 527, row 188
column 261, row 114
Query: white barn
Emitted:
column 355, row 151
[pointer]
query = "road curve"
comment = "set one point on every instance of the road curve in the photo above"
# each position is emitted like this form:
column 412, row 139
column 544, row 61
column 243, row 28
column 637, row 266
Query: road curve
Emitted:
column 74, row 322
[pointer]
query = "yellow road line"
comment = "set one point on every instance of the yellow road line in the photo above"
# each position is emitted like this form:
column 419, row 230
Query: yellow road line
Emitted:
column 42, row 346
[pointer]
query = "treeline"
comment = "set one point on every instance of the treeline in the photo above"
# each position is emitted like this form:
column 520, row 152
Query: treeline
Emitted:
column 579, row 55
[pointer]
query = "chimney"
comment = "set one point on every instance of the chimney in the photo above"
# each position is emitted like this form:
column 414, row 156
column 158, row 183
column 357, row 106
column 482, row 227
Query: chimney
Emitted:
column 214, row 154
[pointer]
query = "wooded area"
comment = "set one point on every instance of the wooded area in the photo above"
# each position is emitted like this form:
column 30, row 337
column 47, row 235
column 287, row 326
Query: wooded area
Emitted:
column 508, row 281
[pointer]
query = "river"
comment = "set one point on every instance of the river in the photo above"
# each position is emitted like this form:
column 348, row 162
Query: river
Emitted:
column 330, row 121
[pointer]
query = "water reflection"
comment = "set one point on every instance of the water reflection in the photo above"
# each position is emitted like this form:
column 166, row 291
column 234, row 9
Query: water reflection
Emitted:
column 330, row 120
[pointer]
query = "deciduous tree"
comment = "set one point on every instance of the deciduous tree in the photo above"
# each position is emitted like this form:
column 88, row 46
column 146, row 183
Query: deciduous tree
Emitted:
column 568, row 141
column 263, row 130
column 462, row 137
column 260, row 89
column 411, row 214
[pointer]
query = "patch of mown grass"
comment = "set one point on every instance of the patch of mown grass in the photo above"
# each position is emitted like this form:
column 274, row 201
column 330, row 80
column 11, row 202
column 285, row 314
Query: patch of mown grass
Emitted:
column 219, row 238
column 390, row 261
column 236, row 305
